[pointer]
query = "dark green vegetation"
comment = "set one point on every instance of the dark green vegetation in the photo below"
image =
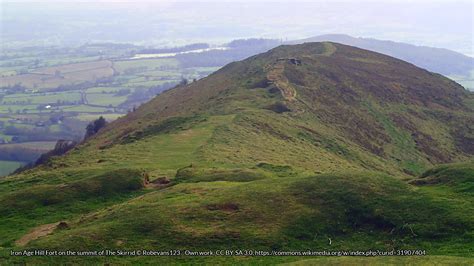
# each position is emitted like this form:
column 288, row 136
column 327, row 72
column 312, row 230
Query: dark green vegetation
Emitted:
column 362, row 157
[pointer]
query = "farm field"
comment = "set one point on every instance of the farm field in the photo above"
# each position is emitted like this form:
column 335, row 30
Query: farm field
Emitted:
column 41, row 98
column 53, row 77
column 50, row 94
column 14, row 155
column 6, row 167
column 70, row 68
column 90, row 117
column 151, row 64
column 42, row 145
column 105, row 100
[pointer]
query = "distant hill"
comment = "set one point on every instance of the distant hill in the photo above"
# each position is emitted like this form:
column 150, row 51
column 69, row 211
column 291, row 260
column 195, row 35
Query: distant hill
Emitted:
column 454, row 65
column 439, row 60
column 316, row 146
column 238, row 50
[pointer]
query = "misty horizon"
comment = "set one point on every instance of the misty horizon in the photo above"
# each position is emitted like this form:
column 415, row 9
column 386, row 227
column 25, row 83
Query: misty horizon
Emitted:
column 169, row 23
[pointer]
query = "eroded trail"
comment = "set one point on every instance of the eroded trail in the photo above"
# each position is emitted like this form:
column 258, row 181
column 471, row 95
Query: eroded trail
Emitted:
column 276, row 76
column 37, row 232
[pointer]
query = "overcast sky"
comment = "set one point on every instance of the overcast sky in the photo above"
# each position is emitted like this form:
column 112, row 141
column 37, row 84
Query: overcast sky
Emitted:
column 445, row 24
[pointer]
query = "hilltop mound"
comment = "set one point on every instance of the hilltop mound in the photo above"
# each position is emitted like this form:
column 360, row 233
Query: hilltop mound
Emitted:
column 438, row 60
column 350, row 106
column 313, row 146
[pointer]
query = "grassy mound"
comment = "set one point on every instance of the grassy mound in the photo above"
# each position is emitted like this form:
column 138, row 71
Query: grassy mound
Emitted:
column 42, row 204
column 192, row 175
column 105, row 185
column 357, row 211
column 346, row 205
column 167, row 126
column 459, row 177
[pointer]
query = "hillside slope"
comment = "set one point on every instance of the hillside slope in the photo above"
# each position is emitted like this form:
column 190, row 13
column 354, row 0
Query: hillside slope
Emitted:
column 454, row 65
column 438, row 60
column 314, row 146
column 351, row 106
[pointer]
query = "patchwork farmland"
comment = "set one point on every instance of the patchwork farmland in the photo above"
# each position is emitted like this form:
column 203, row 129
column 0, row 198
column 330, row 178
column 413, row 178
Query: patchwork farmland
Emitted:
column 44, row 98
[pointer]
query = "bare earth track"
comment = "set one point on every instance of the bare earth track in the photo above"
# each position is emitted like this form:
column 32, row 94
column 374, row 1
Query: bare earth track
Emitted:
column 36, row 233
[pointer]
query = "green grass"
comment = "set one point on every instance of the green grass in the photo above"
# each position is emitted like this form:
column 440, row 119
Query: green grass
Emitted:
column 402, row 145
column 105, row 99
column 357, row 211
column 70, row 74
column 43, row 98
column 92, row 117
column 162, row 73
column 72, row 68
column 6, row 108
column 70, row 60
column 103, row 89
column 150, row 64
column 260, row 206
column 194, row 175
column 458, row 178
column 41, row 203
column 85, row 108
column 149, row 83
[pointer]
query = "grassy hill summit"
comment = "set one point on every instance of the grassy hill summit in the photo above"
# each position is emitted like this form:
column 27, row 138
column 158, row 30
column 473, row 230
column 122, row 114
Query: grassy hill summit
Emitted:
column 317, row 146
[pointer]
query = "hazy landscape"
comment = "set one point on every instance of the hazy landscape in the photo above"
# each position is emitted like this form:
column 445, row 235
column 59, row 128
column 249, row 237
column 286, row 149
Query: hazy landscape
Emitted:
column 195, row 130
column 50, row 94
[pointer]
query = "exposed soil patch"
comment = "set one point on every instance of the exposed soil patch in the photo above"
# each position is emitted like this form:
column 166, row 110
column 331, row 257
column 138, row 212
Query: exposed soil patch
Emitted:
column 159, row 182
column 276, row 77
column 62, row 225
column 40, row 231
column 163, row 180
